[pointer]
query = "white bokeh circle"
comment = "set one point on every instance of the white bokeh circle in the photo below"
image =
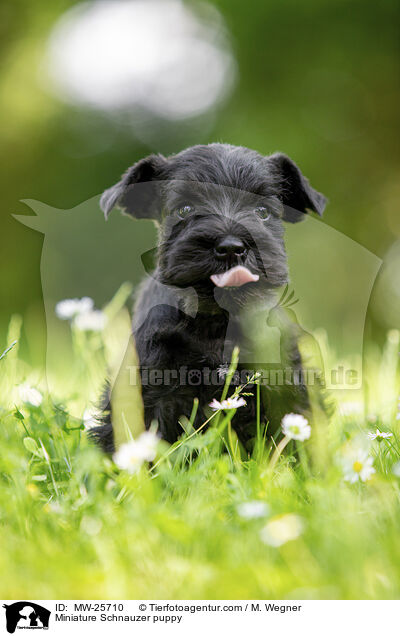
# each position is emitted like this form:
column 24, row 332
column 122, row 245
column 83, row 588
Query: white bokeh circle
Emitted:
column 157, row 55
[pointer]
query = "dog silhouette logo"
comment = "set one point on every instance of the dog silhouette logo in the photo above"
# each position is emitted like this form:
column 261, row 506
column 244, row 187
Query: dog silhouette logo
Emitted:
column 26, row 615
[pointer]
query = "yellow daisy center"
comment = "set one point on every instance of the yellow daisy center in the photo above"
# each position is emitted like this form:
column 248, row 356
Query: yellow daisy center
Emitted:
column 295, row 429
column 357, row 467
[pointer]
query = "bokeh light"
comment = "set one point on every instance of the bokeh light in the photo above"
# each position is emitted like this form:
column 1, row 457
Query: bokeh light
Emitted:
column 159, row 56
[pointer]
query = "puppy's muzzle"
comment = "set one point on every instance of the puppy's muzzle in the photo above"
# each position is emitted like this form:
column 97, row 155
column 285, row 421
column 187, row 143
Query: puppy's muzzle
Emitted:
column 230, row 249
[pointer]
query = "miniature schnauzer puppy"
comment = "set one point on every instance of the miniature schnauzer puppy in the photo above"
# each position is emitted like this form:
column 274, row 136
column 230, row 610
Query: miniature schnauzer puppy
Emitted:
column 220, row 211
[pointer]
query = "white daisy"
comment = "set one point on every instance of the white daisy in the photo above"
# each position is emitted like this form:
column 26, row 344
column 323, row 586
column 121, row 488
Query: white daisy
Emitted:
column 229, row 403
column 30, row 395
column 94, row 320
column 146, row 445
column 71, row 307
column 252, row 509
column 130, row 456
column 281, row 529
column 357, row 466
column 379, row 435
column 296, row 426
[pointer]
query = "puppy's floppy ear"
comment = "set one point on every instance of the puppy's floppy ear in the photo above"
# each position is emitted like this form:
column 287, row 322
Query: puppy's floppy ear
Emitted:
column 295, row 191
column 137, row 193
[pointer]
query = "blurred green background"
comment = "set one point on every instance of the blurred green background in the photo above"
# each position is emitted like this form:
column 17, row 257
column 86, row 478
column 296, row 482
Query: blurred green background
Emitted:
column 316, row 80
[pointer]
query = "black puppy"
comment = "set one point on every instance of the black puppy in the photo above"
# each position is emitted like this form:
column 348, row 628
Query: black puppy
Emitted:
column 220, row 250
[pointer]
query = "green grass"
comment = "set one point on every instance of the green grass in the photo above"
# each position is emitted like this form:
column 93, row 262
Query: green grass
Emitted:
column 73, row 526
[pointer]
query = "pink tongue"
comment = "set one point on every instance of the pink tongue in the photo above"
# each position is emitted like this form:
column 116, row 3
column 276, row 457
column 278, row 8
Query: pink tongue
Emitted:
column 234, row 277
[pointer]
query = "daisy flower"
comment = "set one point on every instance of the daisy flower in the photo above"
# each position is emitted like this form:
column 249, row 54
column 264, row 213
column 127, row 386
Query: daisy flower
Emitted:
column 379, row 435
column 229, row 403
column 252, row 509
column 71, row 307
column 296, row 426
column 357, row 466
column 132, row 455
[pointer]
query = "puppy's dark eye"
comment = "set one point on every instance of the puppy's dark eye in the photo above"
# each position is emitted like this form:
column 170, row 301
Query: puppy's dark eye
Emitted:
column 184, row 212
column 263, row 213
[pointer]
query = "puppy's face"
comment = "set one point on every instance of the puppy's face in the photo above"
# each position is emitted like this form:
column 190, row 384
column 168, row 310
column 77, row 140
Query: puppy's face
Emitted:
column 221, row 240
column 221, row 211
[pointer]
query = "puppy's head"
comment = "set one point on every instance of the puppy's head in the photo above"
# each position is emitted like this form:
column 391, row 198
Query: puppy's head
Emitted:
column 221, row 210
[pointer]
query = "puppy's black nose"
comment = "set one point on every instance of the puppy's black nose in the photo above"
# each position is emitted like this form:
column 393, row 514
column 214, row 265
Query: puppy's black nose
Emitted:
column 230, row 246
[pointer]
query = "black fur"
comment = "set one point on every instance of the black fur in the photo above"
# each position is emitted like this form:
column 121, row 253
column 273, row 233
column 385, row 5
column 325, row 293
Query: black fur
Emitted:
column 224, row 186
